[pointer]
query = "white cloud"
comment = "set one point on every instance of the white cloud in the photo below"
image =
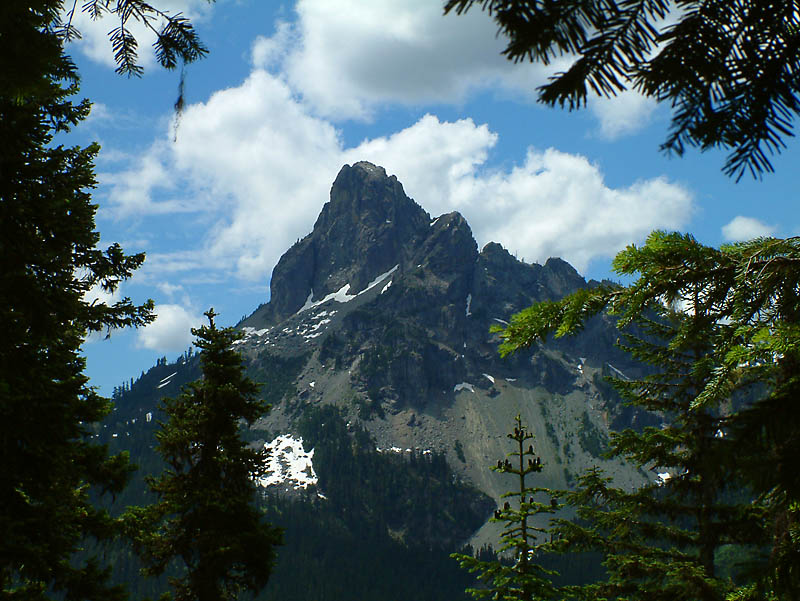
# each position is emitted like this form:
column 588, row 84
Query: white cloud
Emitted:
column 171, row 330
column 169, row 289
column 346, row 57
column 432, row 159
column 557, row 204
column 623, row 114
column 100, row 112
column 260, row 167
column 411, row 54
column 746, row 228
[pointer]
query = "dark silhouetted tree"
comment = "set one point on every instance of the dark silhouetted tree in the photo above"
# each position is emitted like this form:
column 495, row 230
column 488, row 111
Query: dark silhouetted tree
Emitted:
column 51, row 271
column 206, row 517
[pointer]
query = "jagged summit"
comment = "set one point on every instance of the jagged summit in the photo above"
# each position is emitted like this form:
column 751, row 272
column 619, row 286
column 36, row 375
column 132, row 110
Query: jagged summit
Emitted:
column 370, row 227
column 377, row 272
column 357, row 234
column 364, row 230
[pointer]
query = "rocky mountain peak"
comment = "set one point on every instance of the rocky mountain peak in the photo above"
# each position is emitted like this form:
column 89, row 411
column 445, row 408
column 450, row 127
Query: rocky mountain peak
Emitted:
column 367, row 227
column 370, row 228
column 387, row 315
column 366, row 206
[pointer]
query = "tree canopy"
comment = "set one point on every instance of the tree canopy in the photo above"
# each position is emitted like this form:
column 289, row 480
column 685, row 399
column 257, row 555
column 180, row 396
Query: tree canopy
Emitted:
column 524, row 579
column 727, row 378
column 51, row 266
column 727, row 68
column 50, row 299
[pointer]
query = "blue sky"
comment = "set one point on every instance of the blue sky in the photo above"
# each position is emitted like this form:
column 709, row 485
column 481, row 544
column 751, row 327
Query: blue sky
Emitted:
column 290, row 92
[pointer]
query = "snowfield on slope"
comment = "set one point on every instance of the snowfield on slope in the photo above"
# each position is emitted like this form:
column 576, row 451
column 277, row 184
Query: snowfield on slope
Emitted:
column 289, row 464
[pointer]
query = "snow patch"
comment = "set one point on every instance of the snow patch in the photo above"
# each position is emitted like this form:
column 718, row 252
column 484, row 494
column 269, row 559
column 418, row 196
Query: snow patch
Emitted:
column 289, row 464
column 488, row 377
column 469, row 304
column 663, row 477
column 248, row 331
column 167, row 380
column 380, row 278
column 148, row 417
column 463, row 386
column 618, row 372
column 312, row 384
column 342, row 295
column 434, row 222
column 498, row 320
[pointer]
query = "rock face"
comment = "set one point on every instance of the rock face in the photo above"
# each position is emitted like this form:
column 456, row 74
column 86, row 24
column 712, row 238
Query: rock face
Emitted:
column 367, row 228
column 420, row 297
column 386, row 313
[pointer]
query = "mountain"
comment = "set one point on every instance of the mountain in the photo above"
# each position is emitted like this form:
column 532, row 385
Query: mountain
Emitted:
column 390, row 311
column 377, row 330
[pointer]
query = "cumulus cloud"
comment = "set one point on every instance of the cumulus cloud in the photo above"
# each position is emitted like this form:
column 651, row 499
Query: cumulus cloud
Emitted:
column 171, row 330
column 746, row 228
column 347, row 57
column 411, row 54
column 554, row 204
column 251, row 158
column 260, row 167
column 557, row 204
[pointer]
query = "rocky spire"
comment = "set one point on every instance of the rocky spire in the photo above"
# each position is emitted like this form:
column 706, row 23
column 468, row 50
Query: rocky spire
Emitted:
column 368, row 226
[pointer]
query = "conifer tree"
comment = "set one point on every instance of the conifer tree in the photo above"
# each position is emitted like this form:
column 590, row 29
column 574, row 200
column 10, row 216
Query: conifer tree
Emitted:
column 206, row 516
column 720, row 329
column 660, row 540
column 524, row 580
column 50, row 265
column 727, row 68
column 51, row 262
